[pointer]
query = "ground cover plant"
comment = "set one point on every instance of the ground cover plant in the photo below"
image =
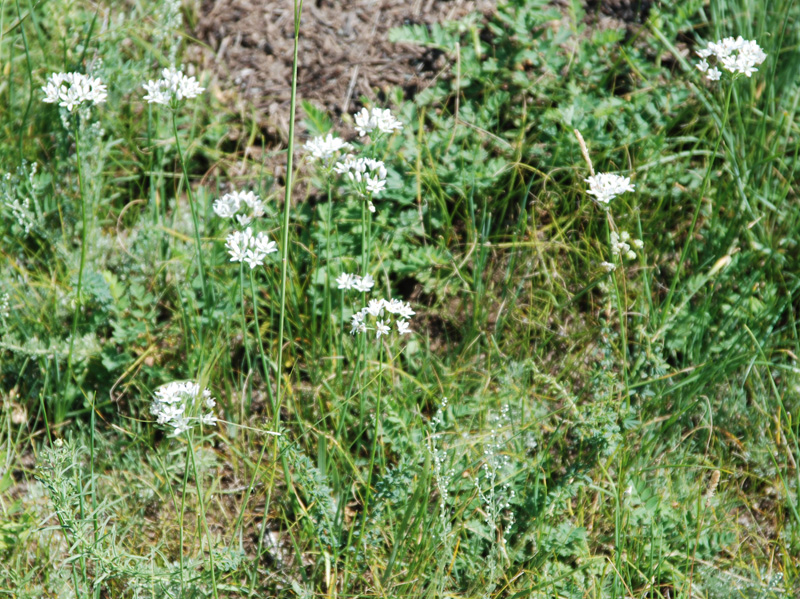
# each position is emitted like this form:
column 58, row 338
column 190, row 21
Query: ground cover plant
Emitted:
column 526, row 331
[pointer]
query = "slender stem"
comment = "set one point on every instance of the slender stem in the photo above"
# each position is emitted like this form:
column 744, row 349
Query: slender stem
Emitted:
column 201, row 501
column 264, row 363
column 195, row 221
column 328, row 309
column 368, row 492
column 287, row 205
column 244, row 318
column 690, row 236
column 84, row 231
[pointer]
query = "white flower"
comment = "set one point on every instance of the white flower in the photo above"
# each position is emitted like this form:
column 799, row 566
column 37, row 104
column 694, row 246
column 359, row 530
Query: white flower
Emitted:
column 364, row 284
column 381, row 313
column 382, row 120
column 357, row 323
column 325, row 148
column 393, row 306
column 345, row 281
column 736, row 55
column 375, row 307
column 243, row 246
column 172, row 402
column 406, row 311
column 208, row 419
column 606, row 186
column 71, row 90
column 173, row 87
column 381, row 328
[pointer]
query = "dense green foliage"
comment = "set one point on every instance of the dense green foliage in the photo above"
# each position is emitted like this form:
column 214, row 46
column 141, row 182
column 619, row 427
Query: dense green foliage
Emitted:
column 553, row 427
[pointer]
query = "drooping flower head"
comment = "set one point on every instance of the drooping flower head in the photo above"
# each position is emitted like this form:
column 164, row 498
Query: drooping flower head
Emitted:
column 384, row 121
column 243, row 246
column 74, row 90
column 606, row 186
column 228, row 206
column 735, row 55
column 174, row 405
column 172, row 88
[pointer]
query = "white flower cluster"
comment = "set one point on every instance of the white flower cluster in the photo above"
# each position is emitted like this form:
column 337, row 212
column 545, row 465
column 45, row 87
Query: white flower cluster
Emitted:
column 173, row 87
column 379, row 311
column 382, row 120
column 606, row 186
column 229, row 205
column 174, row 403
column 621, row 245
column 735, row 55
column 243, row 246
column 347, row 281
column 368, row 176
column 72, row 90
column 325, row 148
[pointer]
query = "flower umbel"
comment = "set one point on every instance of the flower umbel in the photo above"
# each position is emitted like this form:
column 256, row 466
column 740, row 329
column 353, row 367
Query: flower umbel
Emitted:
column 735, row 55
column 173, row 87
column 243, row 246
column 382, row 120
column 174, row 403
column 326, row 148
column 347, row 281
column 229, row 205
column 368, row 176
column 72, row 90
column 606, row 186
column 380, row 312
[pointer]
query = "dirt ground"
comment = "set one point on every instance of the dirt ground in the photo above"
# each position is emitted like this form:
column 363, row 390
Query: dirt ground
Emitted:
column 344, row 50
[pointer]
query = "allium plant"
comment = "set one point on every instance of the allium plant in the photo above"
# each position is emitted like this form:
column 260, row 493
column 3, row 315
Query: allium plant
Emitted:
column 383, row 120
column 379, row 315
column 607, row 186
column 172, row 88
column 229, row 206
column 367, row 176
column 326, row 148
column 737, row 56
column 347, row 281
column 74, row 90
column 175, row 404
column 243, row 246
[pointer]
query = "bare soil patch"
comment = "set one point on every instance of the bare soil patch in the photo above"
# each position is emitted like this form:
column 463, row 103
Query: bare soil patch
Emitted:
column 344, row 52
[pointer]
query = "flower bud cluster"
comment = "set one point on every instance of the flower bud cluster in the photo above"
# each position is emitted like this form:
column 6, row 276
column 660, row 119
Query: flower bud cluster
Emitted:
column 738, row 56
column 621, row 245
column 72, row 90
column 174, row 403
column 347, row 281
column 606, row 186
column 229, row 205
column 377, row 316
column 243, row 246
column 173, row 87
